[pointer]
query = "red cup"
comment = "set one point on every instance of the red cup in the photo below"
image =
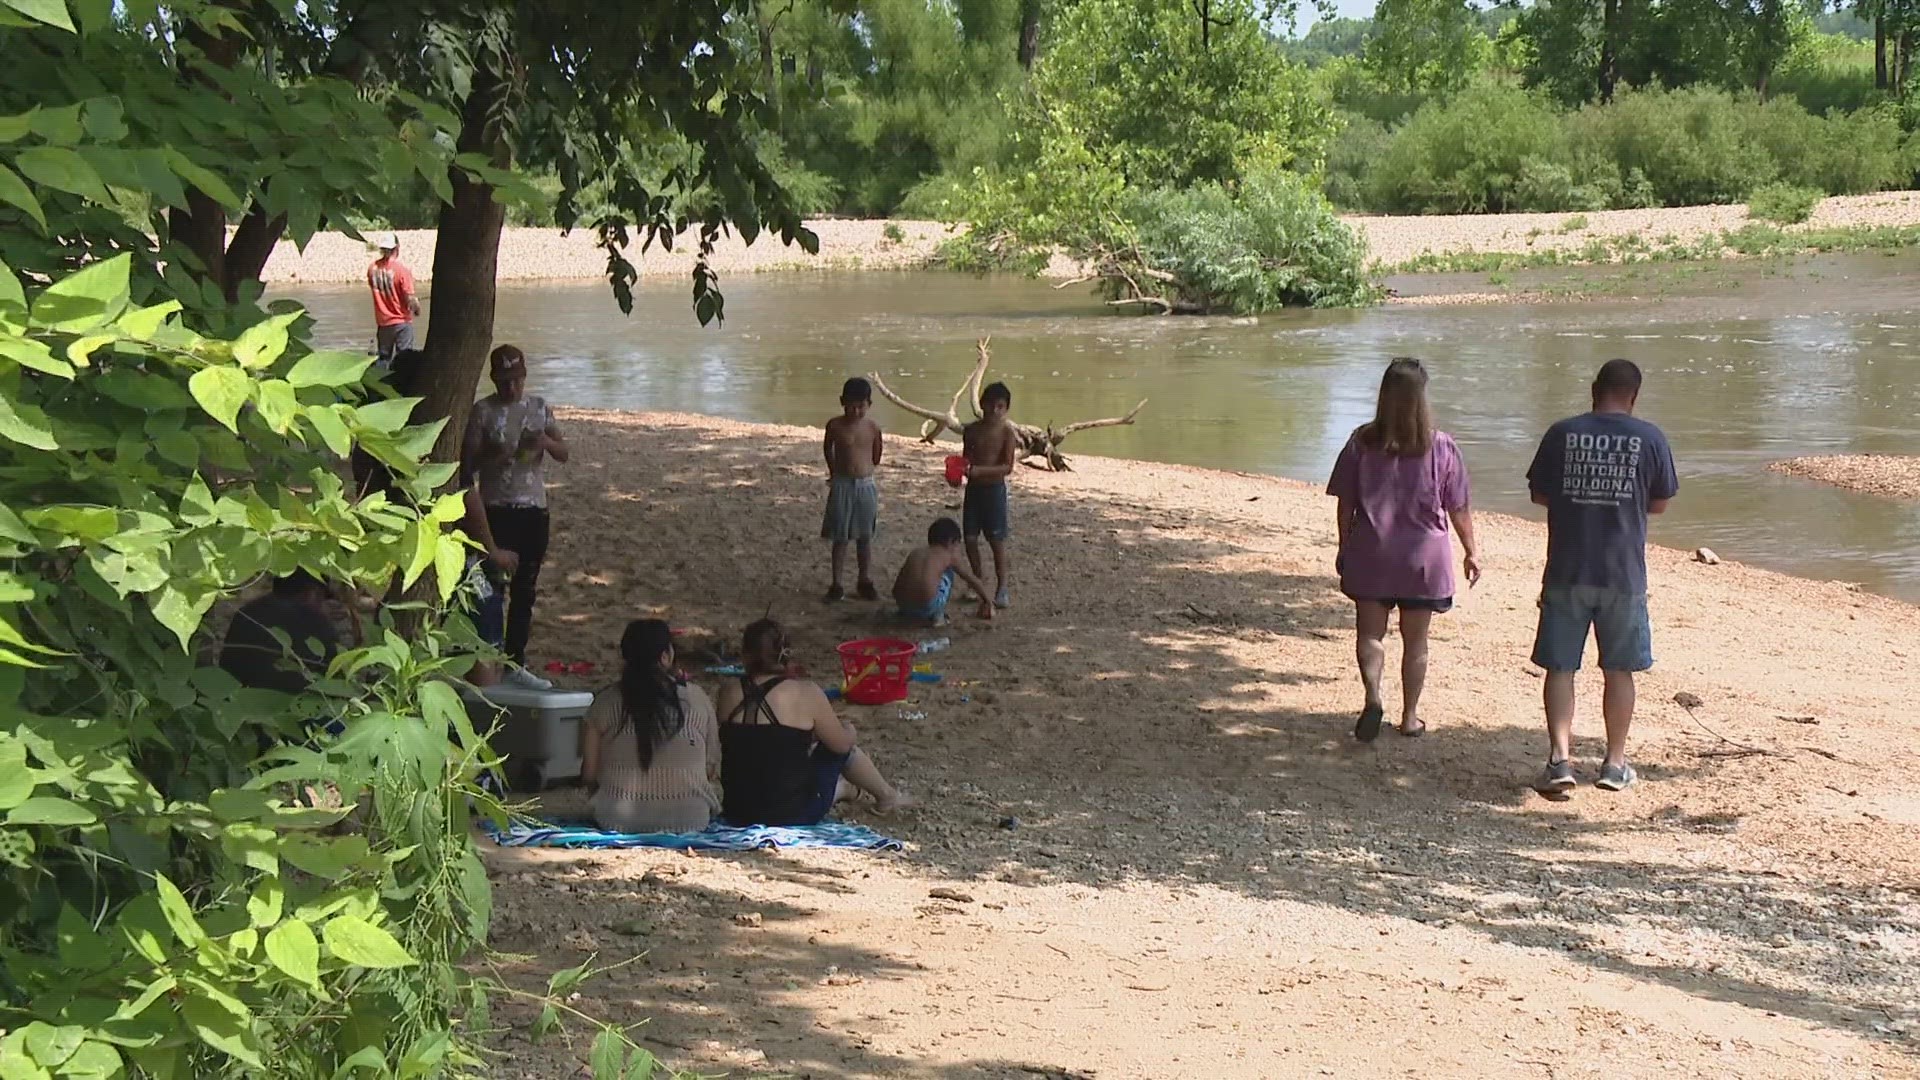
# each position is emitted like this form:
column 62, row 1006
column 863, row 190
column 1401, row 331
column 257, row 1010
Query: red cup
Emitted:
column 956, row 469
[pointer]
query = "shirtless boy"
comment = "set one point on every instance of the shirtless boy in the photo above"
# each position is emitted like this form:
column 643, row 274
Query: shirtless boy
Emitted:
column 926, row 581
column 852, row 450
column 991, row 447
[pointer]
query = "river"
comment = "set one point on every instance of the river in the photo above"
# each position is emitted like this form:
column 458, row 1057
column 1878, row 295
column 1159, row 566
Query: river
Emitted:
column 1745, row 364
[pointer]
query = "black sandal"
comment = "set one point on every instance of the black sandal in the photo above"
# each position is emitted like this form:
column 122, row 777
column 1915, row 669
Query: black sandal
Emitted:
column 1368, row 728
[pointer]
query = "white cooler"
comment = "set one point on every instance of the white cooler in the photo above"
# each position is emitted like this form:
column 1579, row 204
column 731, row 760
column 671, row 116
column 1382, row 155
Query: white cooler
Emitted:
column 540, row 732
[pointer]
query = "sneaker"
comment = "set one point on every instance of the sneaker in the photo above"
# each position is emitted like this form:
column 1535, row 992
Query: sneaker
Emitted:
column 525, row 680
column 1003, row 599
column 1616, row 777
column 1557, row 777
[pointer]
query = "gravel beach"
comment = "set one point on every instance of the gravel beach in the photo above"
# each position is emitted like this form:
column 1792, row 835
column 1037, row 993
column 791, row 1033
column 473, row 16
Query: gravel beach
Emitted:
column 545, row 254
column 1891, row 475
column 1149, row 845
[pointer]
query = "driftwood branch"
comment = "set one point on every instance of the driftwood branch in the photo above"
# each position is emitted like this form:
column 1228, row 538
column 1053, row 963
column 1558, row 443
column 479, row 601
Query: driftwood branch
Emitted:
column 1042, row 443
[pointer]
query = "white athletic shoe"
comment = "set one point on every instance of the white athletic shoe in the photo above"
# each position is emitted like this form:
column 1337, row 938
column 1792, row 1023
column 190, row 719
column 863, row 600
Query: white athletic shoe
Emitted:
column 525, row 680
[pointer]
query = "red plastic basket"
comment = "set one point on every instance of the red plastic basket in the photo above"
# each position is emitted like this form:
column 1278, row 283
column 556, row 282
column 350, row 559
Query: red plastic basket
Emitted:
column 876, row 671
column 956, row 469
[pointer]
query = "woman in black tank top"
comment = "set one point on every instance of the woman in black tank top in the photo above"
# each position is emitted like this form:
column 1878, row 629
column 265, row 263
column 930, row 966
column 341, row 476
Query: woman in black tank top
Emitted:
column 773, row 773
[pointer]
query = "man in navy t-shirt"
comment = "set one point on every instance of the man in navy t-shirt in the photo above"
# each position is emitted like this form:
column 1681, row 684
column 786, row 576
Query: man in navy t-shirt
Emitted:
column 1599, row 475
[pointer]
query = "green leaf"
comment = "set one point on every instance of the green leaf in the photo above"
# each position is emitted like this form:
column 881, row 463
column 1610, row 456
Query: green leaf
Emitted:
column 80, row 350
column 266, row 904
column 263, row 342
column 221, row 391
column 362, row 944
column 180, row 448
column 15, row 192
column 12, row 297
column 209, row 184
column 291, row 948
column 641, row 1064
column 329, row 369
column 220, row 1029
column 565, row 980
column 449, row 561
column 386, row 417
column 51, row 12
column 609, row 1055
column 424, row 540
column 331, row 429
column 178, row 913
column 278, row 406
column 154, row 991
column 425, row 1055
column 143, row 323
column 367, row 1058
column 87, row 299
column 16, row 780
column 94, row 1061
column 50, row 810
column 544, row 1024
column 29, row 353
column 52, row 1046
column 26, row 425
column 181, row 614
column 14, row 128
column 63, row 170
column 140, row 921
column 12, row 528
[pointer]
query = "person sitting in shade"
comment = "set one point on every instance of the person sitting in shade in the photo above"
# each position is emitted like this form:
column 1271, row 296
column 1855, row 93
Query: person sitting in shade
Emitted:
column 650, row 746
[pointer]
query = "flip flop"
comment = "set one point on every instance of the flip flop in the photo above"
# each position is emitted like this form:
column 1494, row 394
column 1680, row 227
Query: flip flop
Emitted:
column 1368, row 728
column 1415, row 732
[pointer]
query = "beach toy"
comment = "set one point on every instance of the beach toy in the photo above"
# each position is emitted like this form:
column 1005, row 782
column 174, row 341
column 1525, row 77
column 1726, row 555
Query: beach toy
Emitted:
column 956, row 469
column 875, row 671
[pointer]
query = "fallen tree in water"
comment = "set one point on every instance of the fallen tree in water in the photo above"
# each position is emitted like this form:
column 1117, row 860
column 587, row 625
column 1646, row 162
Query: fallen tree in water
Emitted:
column 1035, row 443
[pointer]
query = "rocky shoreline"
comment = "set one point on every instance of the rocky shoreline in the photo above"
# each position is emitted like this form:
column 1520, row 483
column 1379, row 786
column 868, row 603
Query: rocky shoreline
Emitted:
column 1893, row 476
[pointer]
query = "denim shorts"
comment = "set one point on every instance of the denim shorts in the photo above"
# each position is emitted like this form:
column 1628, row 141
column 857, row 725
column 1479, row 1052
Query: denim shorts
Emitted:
column 1618, row 620
column 827, row 767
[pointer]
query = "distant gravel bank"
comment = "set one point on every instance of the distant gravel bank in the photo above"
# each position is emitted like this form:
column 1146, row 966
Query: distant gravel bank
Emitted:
column 1891, row 475
column 544, row 254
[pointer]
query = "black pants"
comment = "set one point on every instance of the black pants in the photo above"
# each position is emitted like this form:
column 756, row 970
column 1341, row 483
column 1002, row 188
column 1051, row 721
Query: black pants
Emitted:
column 523, row 531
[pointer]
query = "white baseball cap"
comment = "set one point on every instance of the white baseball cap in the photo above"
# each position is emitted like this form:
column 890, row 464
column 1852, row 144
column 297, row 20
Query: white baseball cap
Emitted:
column 385, row 241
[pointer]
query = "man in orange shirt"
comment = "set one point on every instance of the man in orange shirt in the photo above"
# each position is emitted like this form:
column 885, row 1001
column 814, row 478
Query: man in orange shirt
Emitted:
column 394, row 303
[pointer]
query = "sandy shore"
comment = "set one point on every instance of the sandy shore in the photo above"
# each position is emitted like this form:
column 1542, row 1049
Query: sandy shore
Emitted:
column 545, row 254
column 1170, row 856
column 1891, row 475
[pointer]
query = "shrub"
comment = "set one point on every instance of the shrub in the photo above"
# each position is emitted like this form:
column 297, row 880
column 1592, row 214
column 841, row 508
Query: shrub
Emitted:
column 1351, row 157
column 1271, row 241
column 893, row 233
column 1693, row 146
column 1783, row 204
column 1469, row 154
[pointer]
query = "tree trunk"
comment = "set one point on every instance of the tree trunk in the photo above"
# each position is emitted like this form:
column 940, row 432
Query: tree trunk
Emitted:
column 465, row 259
column 1609, row 73
column 1903, row 57
column 1029, row 33
column 1880, row 50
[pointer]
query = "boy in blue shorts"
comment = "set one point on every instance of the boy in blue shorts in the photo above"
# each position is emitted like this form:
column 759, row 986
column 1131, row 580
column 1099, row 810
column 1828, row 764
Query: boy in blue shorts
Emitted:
column 991, row 446
column 926, row 581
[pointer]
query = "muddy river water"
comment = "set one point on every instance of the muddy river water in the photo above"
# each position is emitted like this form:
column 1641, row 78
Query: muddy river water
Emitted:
column 1745, row 365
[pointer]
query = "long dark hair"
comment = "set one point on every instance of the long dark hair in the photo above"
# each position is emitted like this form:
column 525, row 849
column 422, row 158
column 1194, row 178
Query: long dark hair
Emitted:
column 1402, row 422
column 649, row 694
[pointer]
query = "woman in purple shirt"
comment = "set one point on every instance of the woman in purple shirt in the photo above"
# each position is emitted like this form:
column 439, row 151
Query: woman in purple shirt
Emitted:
column 1399, row 483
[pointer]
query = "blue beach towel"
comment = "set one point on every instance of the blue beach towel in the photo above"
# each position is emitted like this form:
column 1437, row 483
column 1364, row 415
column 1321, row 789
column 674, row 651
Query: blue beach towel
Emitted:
column 529, row 832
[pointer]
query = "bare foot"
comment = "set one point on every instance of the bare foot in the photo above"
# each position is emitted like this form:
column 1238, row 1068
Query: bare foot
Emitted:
column 1413, row 727
column 899, row 800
